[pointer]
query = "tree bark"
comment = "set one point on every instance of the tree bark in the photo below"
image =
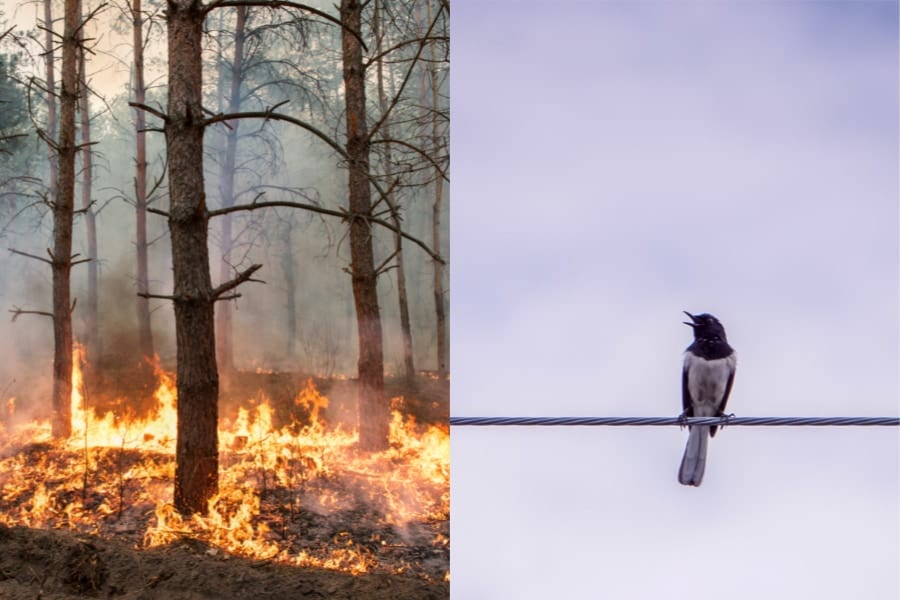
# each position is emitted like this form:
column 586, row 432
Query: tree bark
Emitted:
column 63, row 205
column 288, row 267
column 374, row 415
column 443, row 345
column 92, row 341
column 145, row 332
column 50, row 76
column 226, row 189
column 196, row 454
column 409, row 368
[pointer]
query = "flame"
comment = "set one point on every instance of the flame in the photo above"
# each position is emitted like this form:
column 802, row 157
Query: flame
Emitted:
column 117, row 467
column 157, row 430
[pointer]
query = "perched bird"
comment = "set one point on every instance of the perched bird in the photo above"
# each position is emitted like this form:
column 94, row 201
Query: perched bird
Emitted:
column 709, row 365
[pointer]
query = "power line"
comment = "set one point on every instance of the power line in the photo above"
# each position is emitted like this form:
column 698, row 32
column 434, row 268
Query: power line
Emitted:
column 665, row 421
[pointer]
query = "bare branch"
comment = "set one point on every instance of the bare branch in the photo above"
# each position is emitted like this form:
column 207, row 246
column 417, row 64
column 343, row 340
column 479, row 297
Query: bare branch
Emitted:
column 285, row 4
column 17, row 312
column 241, row 278
column 381, row 268
column 383, row 53
column 343, row 214
column 40, row 258
column 268, row 114
column 416, row 149
column 157, row 238
column 158, row 182
column 151, row 110
column 275, row 203
column 80, row 146
column 84, row 21
column 158, row 296
column 383, row 119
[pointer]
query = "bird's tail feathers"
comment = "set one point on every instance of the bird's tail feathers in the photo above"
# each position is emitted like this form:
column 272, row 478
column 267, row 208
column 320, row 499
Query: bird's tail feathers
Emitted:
column 693, row 463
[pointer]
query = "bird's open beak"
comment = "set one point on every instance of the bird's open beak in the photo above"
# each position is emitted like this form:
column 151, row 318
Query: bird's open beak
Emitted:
column 693, row 322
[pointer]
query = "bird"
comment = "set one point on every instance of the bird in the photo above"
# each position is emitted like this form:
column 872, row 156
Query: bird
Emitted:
column 706, row 380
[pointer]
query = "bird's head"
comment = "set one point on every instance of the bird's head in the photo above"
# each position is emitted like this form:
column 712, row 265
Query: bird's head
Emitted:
column 706, row 327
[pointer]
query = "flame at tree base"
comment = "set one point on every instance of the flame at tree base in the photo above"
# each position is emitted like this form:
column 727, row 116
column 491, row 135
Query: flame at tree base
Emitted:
column 299, row 493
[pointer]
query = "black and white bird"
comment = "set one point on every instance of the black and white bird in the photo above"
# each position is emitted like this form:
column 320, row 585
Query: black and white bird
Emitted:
column 709, row 365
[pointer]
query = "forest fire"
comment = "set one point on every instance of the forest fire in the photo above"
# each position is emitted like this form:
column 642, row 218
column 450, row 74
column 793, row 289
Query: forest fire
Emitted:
column 296, row 493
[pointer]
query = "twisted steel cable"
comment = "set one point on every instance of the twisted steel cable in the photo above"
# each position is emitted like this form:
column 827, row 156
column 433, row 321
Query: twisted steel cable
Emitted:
column 665, row 421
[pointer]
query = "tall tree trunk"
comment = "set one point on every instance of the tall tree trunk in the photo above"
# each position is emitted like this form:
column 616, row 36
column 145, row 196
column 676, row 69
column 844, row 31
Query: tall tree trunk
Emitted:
column 289, row 268
column 92, row 342
column 443, row 345
column 374, row 415
column 403, row 301
column 63, row 205
column 50, row 76
column 196, row 454
column 145, row 333
column 226, row 189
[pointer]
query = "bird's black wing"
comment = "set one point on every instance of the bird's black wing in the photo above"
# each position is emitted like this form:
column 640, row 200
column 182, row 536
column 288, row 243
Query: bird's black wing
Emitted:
column 712, row 430
column 686, row 402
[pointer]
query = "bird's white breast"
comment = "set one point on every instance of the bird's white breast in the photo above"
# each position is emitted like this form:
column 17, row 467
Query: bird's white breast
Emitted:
column 707, row 380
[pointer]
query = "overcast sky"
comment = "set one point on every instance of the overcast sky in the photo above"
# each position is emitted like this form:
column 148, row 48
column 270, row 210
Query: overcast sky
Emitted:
column 615, row 163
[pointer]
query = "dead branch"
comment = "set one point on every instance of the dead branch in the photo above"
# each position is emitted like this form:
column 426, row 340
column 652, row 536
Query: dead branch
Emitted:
column 158, row 182
column 47, row 139
column 269, row 114
column 383, row 266
column 275, row 203
column 423, row 40
column 285, row 4
column 343, row 214
column 158, row 296
column 40, row 258
column 17, row 312
column 84, row 21
column 244, row 276
column 157, row 238
column 12, row 136
column 78, row 147
column 151, row 110
column 415, row 59
column 416, row 149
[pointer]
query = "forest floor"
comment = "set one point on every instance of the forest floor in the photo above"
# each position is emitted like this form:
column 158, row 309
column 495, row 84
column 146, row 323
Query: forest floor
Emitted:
column 61, row 565
column 57, row 564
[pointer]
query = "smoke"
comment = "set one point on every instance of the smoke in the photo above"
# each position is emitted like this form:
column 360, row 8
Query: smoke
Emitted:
column 302, row 319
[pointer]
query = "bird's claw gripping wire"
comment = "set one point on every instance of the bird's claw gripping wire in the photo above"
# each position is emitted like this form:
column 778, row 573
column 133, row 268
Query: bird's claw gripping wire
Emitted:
column 725, row 419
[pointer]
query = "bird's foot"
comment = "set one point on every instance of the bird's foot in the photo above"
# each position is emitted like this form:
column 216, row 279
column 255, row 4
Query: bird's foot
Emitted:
column 682, row 420
column 725, row 418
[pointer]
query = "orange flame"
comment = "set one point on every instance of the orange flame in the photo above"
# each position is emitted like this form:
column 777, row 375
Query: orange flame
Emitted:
column 115, row 467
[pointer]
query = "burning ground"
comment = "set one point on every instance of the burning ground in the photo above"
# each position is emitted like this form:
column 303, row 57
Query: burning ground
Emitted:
column 299, row 510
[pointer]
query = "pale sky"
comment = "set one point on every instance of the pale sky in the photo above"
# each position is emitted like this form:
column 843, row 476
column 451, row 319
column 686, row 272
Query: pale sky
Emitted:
column 614, row 164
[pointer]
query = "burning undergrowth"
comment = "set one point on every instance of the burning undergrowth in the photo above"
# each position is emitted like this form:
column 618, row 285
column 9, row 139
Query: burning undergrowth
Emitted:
column 292, row 488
